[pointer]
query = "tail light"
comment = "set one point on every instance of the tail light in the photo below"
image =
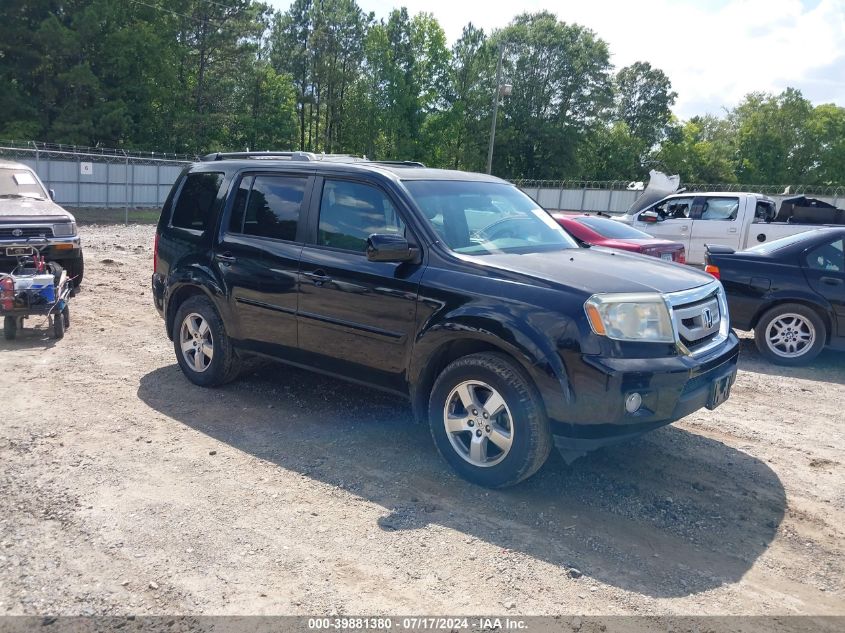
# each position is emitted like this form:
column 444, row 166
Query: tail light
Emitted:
column 713, row 270
column 155, row 254
column 7, row 293
column 682, row 256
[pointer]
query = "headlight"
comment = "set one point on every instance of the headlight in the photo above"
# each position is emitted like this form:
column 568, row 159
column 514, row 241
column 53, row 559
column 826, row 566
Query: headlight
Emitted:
column 640, row 317
column 67, row 229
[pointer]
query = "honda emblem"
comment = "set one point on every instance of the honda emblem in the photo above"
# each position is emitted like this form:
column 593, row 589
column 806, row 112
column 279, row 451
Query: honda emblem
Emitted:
column 708, row 318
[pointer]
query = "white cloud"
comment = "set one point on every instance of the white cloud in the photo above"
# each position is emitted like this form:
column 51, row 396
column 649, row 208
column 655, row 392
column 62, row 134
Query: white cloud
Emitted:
column 714, row 52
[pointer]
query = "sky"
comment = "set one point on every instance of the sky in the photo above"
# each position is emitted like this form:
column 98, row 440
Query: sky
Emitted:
column 714, row 51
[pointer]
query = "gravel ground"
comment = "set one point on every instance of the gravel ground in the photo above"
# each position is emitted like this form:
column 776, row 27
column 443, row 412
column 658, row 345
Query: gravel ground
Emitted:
column 124, row 489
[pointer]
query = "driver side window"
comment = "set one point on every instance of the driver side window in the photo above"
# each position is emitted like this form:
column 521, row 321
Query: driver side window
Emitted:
column 673, row 209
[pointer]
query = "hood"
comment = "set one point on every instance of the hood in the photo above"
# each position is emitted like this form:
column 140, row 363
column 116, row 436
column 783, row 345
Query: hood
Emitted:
column 659, row 186
column 30, row 209
column 593, row 271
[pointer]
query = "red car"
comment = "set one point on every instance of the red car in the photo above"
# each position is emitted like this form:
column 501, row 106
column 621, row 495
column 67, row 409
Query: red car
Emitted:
column 598, row 231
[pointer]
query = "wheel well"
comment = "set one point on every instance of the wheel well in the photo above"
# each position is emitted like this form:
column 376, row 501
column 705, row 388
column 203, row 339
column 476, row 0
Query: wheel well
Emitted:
column 807, row 304
column 438, row 361
column 178, row 298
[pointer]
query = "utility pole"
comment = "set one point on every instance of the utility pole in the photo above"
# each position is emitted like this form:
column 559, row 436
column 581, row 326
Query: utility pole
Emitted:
column 496, row 97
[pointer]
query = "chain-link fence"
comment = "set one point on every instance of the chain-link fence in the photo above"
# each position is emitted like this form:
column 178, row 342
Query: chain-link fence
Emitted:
column 100, row 178
column 616, row 196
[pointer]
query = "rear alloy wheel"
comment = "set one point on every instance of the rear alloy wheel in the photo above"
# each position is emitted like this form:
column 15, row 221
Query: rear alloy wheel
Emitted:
column 790, row 334
column 487, row 420
column 203, row 349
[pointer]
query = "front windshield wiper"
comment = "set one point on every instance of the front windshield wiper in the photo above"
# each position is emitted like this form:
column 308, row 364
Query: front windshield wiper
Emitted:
column 31, row 196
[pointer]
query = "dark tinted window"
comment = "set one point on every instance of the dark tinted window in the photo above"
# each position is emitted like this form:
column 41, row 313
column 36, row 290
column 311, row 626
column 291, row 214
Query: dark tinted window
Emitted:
column 827, row 257
column 273, row 206
column 196, row 200
column 350, row 212
column 612, row 229
column 236, row 222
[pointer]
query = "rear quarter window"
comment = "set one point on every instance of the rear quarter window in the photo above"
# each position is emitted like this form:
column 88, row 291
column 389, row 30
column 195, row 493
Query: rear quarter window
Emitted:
column 196, row 200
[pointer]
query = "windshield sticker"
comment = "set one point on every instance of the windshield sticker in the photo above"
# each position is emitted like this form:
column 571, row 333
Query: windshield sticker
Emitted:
column 24, row 178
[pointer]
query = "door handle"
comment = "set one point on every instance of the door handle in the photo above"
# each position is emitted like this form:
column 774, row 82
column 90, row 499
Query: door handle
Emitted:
column 732, row 229
column 319, row 277
column 831, row 281
column 225, row 258
column 684, row 229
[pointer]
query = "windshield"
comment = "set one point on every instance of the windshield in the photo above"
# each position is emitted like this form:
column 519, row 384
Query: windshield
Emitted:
column 612, row 229
column 482, row 218
column 776, row 245
column 19, row 183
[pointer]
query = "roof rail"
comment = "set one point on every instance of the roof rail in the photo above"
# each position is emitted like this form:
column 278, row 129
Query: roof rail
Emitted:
column 298, row 156
column 398, row 163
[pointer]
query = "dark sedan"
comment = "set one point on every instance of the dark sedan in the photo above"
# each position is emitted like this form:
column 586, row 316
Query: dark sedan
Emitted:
column 791, row 292
column 593, row 230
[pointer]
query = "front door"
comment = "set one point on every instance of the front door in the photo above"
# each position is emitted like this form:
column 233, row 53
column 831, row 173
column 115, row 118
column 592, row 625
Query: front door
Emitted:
column 258, row 257
column 714, row 221
column 825, row 270
column 356, row 317
column 673, row 221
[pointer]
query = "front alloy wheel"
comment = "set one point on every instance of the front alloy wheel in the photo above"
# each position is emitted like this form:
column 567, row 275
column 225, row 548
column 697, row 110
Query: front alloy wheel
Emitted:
column 196, row 342
column 478, row 423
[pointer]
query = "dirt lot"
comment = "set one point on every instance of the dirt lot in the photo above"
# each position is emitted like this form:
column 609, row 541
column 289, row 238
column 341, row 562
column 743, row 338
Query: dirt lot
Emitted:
column 124, row 489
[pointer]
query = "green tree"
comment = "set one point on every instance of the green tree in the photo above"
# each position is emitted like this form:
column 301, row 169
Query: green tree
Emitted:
column 644, row 100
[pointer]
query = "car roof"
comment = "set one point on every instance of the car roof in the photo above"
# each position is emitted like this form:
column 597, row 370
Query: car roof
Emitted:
column 8, row 164
column 395, row 171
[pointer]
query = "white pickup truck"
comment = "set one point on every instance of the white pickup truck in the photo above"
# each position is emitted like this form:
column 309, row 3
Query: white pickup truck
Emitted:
column 738, row 220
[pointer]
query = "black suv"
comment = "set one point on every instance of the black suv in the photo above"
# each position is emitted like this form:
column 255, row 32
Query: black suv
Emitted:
column 453, row 289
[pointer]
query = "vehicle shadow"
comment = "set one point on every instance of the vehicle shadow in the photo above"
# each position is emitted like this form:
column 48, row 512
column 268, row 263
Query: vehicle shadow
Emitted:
column 829, row 366
column 671, row 514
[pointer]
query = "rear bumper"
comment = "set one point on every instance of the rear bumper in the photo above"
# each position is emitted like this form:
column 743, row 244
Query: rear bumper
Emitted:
column 671, row 388
column 158, row 293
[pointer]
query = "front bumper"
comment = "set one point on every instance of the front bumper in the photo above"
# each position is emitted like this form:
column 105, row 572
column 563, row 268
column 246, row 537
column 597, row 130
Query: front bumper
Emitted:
column 671, row 388
column 52, row 248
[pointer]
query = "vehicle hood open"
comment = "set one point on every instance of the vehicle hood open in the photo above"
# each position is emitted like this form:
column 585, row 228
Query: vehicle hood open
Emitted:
column 659, row 186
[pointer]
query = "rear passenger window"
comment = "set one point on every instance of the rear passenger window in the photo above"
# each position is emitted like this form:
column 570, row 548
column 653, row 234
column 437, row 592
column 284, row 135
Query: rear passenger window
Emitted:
column 720, row 209
column 350, row 212
column 272, row 206
column 196, row 201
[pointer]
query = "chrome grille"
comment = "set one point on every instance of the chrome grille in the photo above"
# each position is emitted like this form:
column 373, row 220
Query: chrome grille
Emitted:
column 700, row 317
column 12, row 232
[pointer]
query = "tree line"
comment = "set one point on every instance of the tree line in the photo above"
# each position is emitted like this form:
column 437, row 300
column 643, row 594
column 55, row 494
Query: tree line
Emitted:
column 195, row 76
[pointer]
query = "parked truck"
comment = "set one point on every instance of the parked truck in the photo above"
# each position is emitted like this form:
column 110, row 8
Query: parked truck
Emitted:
column 736, row 219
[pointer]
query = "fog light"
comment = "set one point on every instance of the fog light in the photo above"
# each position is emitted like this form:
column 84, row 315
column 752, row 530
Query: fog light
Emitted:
column 633, row 402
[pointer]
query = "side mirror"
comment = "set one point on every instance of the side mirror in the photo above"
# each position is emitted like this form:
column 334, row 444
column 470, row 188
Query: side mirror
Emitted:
column 387, row 247
column 52, row 193
column 649, row 216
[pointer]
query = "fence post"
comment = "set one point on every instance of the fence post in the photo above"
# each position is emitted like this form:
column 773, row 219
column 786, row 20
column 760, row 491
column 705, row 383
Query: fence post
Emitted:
column 78, row 181
column 559, row 197
column 583, row 196
column 125, row 188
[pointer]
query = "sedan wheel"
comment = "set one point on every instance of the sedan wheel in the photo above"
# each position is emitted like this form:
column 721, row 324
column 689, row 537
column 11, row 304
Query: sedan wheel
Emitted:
column 196, row 342
column 790, row 335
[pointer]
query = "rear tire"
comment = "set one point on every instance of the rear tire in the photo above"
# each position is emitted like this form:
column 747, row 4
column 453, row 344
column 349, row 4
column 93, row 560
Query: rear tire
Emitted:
column 503, row 436
column 203, row 349
column 10, row 328
column 790, row 334
column 58, row 326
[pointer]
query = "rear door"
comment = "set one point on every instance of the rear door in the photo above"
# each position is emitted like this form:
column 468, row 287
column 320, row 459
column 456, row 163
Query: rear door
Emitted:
column 714, row 221
column 356, row 317
column 674, row 220
column 824, row 267
column 258, row 257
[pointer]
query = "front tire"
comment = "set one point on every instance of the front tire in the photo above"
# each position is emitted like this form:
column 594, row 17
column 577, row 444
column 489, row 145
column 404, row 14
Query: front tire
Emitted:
column 790, row 334
column 203, row 349
column 487, row 420
column 75, row 270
